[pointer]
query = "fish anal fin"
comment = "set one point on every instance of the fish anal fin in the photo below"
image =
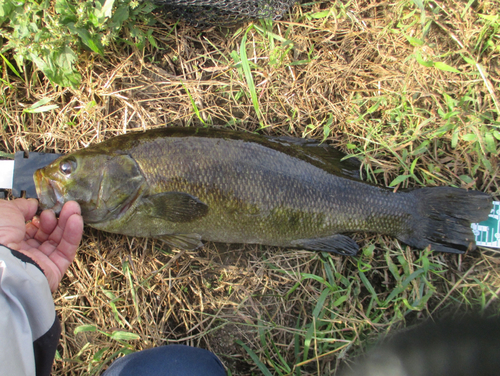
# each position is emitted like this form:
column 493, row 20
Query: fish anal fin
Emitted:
column 341, row 244
column 175, row 207
column 182, row 241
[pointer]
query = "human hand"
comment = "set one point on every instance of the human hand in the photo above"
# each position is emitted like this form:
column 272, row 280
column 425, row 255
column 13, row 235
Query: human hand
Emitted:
column 50, row 242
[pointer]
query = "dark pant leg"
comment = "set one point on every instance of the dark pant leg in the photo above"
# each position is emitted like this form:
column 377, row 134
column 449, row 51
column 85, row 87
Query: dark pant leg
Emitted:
column 171, row 360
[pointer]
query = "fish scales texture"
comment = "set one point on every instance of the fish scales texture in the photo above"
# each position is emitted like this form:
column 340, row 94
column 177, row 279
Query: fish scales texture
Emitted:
column 257, row 194
column 183, row 185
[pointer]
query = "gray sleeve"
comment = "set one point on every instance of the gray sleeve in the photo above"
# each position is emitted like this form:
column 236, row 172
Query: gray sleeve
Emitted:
column 29, row 328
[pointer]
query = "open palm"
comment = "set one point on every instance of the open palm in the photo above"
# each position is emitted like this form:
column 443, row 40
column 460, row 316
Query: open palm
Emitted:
column 50, row 242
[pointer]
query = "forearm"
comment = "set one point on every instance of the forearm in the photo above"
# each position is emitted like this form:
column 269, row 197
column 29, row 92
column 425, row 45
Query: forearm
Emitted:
column 29, row 328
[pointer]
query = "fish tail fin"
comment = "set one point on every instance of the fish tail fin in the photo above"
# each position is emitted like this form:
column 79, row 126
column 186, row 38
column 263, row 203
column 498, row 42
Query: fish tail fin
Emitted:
column 443, row 217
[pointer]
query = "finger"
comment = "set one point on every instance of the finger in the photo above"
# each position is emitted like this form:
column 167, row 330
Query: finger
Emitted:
column 30, row 243
column 64, row 253
column 32, row 228
column 72, row 233
column 14, row 215
column 68, row 241
column 27, row 207
column 69, row 209
column 45, row 224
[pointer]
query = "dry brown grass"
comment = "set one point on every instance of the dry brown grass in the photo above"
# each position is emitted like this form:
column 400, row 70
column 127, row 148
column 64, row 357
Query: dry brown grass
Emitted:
column 352, row 60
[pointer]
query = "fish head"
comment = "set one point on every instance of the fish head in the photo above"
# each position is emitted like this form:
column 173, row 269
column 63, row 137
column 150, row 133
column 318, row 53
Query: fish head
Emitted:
column 55, row 183
column 104, row 185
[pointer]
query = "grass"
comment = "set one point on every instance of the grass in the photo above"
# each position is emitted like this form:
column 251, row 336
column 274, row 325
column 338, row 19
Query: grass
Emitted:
column 409, row 88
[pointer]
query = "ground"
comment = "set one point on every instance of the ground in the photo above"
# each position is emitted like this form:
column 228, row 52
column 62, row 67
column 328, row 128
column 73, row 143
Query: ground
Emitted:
column 413, row 94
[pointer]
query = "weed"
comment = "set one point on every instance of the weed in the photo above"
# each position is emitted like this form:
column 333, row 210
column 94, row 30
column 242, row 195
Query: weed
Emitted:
column 50, row 35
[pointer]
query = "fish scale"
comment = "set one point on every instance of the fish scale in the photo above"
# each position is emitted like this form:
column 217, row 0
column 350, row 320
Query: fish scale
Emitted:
column 246, row 175
column 183, row 185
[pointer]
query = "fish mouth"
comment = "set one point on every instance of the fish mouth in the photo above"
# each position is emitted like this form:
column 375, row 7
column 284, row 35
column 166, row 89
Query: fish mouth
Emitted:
column 49, row 192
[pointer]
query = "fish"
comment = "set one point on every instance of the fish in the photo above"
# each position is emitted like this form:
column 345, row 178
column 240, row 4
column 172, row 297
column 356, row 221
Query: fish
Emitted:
column 188, row 185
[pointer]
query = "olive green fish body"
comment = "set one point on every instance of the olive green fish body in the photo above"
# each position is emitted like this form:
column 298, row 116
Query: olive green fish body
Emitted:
column 259, row 195
column 185, row 185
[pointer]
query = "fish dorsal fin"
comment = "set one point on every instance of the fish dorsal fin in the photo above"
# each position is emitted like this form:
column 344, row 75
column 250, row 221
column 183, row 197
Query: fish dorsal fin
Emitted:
column 341, row 244
column 175, row 207
column 182, row 241
column 321, row 155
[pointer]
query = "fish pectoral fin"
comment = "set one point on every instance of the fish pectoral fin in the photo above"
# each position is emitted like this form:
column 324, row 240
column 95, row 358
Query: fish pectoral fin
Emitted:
column 175, row 207
column 182, row 241
column 337, row 243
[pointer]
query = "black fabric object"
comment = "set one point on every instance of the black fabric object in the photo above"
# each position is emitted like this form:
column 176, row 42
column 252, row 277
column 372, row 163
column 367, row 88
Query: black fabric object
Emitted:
column 170, row 360
column 24, row 258
column 464, row 347
column 205, row 13
column 24, row 167
column 45, row 349
column 30, row 325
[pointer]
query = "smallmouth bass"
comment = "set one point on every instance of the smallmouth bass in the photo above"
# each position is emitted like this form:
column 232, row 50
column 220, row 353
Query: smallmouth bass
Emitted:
column 184, row 185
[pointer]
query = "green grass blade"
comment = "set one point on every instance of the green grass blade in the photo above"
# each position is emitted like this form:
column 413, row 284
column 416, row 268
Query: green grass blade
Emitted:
column 265, row 371
column 124, row 336
column 296, row 344
column 128, row 275
column 84, row 328
column 7, row 155
column 247, row 72
column 195, row 107
column 368, row 286
column 12, row 68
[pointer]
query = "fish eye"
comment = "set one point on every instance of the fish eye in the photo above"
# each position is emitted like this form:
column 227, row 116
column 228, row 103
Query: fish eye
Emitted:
column 67, row 166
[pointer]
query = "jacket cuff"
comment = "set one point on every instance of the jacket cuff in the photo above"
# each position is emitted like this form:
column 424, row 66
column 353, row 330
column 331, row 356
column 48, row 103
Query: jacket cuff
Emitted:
column 25, row 258
column 28, row 323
